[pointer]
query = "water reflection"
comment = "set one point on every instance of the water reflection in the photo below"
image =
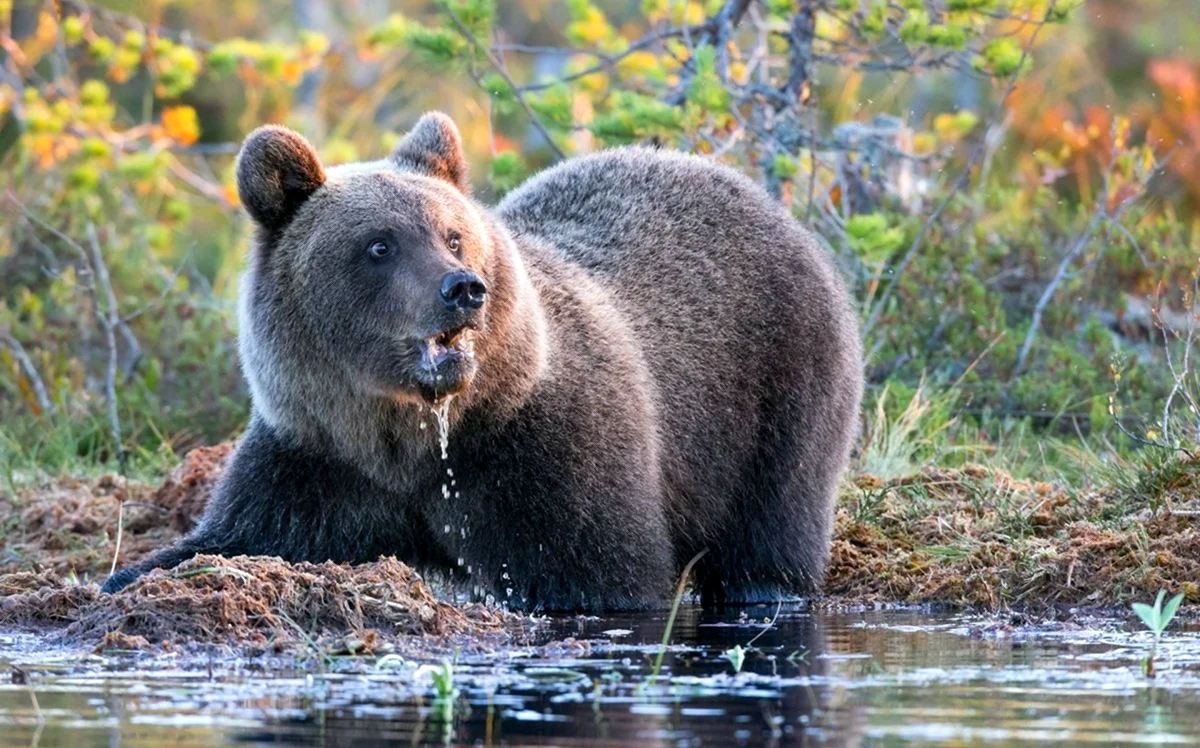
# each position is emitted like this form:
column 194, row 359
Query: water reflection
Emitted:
column 838, row 679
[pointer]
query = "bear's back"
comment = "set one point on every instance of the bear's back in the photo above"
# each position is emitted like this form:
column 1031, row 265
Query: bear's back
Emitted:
column 731, row 300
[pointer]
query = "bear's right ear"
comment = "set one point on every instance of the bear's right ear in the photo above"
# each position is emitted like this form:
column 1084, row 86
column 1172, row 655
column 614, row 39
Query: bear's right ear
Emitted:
column 277, row 170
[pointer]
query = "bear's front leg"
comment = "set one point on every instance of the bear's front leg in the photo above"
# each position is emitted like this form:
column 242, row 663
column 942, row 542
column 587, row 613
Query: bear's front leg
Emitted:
column 551, row 518
column 278, row 499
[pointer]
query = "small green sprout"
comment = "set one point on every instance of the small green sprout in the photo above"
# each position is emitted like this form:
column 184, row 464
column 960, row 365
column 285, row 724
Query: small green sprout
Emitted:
column 1156, row 618
column 442, row 677
column 736, row 657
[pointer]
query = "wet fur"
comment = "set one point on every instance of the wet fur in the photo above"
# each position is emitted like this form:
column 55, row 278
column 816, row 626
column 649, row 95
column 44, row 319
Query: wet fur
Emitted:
column 668, row 364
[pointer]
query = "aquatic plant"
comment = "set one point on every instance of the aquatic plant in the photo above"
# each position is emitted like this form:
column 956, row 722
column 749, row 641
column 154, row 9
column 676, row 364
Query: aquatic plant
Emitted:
column 1156, row 618
column 666, row 637
column 736, row 656
column 442, row 677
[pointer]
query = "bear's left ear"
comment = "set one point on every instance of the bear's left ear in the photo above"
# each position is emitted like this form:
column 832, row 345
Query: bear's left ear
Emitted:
column 434, row 147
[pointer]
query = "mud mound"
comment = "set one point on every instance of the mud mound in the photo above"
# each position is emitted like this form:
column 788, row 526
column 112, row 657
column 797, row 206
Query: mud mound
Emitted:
column 245, row 601
column 41, row 598
column 979, row 537
column 186, row 489
column 69, row 526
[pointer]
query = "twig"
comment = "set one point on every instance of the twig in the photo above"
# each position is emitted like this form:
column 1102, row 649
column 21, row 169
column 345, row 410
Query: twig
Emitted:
column 958, row 184
column 120, row 534
column 45, row 404
column 135, row 349
column 110, row 322
column 1048, row 292
column 1081, row 242
column 499, row 66
column 169, row 286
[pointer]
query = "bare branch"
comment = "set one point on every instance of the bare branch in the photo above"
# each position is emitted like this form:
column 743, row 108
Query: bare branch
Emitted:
column 958, row 184
column 45, row 404
column 110, row 322
column 503, row 71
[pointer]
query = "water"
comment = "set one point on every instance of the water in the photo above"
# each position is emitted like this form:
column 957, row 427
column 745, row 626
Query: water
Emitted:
column 442, row 414
column 859, row 678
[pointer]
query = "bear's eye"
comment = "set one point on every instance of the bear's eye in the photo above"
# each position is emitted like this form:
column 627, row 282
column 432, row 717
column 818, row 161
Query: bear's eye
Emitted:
column 455, row 242
column 379, row 249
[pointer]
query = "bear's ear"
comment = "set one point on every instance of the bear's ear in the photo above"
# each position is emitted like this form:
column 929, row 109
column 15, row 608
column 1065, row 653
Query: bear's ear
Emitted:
column 434, row 147
column 277, row 170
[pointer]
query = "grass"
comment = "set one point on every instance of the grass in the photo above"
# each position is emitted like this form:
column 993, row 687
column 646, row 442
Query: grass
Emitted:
column 978, row 536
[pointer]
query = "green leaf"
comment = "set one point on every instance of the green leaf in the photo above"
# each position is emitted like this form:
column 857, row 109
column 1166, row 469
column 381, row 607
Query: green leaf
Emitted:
column 736, row 657
column 1148, row 615
column 1168, row 611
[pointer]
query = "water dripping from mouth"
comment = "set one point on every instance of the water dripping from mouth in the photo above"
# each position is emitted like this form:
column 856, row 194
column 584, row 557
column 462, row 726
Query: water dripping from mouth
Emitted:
column 442, row 414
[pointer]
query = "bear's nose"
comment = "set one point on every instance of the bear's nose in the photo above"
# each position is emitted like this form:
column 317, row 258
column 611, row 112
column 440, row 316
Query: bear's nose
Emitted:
column 463, row 289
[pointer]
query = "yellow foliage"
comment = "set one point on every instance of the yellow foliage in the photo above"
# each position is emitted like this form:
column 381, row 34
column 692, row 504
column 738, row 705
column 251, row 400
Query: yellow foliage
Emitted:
column 638, row 63
column 181, row 124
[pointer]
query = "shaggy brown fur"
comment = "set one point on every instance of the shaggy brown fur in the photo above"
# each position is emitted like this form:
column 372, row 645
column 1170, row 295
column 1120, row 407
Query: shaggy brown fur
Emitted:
column 663, row 362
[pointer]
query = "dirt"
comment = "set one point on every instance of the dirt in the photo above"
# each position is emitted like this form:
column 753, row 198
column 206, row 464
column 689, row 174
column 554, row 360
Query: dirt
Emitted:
column 60, row 539
column 978, row 537
column 185, row 491
column 971, row 536
column 246, row 601
column 69, row 526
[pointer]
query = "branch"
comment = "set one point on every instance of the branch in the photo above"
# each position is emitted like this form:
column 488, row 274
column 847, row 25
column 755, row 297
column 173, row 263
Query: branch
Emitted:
column 499, row 66
column 45, row 404
column 958, row 183
column 1051, row 287
column 135, row 349
column 1102, row 214
column 110, row 322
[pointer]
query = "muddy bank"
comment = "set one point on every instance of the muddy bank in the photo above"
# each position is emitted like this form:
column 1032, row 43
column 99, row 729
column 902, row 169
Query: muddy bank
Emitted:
column 59, row 543
column 971, row 536
column 248, row 602
column 978, row 537
column 68, row 527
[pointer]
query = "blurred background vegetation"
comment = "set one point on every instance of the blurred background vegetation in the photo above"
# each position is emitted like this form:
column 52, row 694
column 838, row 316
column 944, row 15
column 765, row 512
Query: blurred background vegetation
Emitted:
column 1011, row 186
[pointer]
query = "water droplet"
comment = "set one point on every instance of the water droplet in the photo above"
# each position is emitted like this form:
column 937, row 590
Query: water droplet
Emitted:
column 508, row 591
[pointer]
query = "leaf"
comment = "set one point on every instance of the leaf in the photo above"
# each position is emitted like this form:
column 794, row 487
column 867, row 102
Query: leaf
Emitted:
column 181, row 124
column 1148, row 615
column 1168, row 611
column 736, row 657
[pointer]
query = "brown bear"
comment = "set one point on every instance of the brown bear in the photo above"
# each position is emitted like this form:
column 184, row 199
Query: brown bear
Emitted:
column 638, row 355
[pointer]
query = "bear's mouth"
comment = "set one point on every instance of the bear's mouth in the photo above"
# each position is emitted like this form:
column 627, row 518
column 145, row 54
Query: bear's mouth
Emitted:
column 454, row 344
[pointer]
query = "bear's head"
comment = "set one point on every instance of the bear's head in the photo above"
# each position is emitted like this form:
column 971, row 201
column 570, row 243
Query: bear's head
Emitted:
column 384, row 278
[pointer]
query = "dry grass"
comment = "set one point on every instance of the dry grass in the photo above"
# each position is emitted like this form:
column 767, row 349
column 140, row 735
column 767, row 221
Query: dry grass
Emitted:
column 978, row 537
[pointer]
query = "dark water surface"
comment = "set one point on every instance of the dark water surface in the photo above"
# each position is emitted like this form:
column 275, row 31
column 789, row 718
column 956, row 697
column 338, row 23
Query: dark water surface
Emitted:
column 857, row 678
